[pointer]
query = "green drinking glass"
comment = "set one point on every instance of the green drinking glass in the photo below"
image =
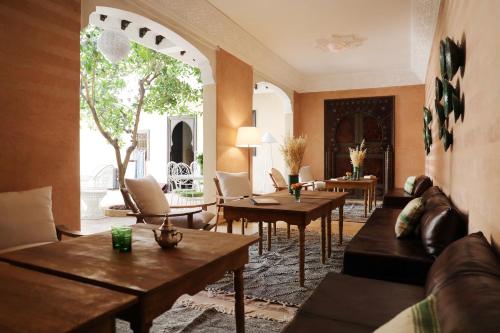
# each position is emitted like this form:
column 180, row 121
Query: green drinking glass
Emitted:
column 125, row 239
column 115, row 237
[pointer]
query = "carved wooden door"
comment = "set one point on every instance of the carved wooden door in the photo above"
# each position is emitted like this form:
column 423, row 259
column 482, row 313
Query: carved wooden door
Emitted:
column 347, row 123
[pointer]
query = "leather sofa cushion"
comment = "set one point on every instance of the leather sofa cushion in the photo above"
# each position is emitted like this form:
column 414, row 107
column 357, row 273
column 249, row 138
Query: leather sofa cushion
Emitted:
column 343, row 303
column 469, row 303
column 471, row 255
column 422, row 183
column 440, row 225
column 376, row 253
column 430, row 192
column 396, row 198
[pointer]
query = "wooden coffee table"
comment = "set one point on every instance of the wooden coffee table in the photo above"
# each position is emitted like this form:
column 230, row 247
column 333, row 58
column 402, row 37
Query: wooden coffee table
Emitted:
column 289, row 211
column 337, row 200
column 156, row 277
column 367, row 185
column 34, row 302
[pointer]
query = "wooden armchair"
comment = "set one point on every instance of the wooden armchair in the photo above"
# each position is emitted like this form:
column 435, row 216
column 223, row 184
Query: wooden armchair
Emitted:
column 187, row 216
column 220, row 199
column 62, row 230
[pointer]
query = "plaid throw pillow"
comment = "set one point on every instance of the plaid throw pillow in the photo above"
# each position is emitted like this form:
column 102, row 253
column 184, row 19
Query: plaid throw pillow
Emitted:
column 409, row 217
column 409, row 184
column 419, row 318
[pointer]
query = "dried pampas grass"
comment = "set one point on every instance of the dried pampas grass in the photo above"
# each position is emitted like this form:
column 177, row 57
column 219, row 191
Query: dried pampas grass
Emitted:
column 358, row 155
column 293, row 151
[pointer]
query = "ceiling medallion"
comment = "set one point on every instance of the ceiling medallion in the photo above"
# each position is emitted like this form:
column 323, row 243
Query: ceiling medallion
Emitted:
column 338, row 43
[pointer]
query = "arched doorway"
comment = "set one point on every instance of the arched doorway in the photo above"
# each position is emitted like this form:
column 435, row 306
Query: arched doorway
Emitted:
column 181, row 139
column 273, row 115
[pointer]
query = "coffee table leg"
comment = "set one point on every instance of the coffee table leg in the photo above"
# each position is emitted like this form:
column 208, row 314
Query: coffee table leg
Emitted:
column 366, row 202
column 329, row 234
column 242, row 226
column 229, row 226
column 287, row 231
column 370, row 198
column 239, row 305
column 323, row 232
column 341, row 223
column 302, row 254
column 261, row 234
column 138, row 326
column 374, row 195
column 269, row 235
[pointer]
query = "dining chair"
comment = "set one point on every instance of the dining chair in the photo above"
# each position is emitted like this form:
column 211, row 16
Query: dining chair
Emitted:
column 279, row 182
column 306, row 177
column 149, row 204
column 233, row 186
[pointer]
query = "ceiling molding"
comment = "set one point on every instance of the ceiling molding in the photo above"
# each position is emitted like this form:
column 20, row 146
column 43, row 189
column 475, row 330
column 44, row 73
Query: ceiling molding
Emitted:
column 360, row 80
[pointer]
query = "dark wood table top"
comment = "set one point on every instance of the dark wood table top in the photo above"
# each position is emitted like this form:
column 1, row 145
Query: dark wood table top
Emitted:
column 350, row 181
column 147, row 267
column 286, row 204
column 312, row 194
column 35, row 302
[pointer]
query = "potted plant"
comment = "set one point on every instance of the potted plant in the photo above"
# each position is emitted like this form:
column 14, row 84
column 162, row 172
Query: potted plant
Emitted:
column 357, row 156
column 293, row 152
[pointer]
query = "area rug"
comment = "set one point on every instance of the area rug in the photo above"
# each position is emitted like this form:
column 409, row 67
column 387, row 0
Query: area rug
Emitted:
column 182, row 319
column 273, row 276
column 354, row 211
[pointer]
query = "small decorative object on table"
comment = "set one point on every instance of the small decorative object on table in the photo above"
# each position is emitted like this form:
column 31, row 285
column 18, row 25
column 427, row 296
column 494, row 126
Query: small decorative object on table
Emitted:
column 293, row 152
column 357, row 155
column 121, row 237
column 168, row 237
column 297, row 187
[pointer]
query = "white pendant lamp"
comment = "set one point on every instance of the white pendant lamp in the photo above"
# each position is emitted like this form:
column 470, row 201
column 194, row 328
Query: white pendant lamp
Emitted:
column 113, row 45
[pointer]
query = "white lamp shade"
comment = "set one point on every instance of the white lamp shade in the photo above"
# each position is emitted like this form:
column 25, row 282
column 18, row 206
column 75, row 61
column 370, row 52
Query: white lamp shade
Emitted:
column 248, row 137
column 268, row 138
column 113, row 45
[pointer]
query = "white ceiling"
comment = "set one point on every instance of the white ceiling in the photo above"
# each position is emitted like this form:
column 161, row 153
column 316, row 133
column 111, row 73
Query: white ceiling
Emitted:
column 397, row 33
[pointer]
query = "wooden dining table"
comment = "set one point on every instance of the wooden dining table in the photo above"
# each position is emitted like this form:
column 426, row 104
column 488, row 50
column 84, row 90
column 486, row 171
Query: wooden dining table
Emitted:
column 367, row 185
column 157, row 277
column 34, row 302
column 288, row 210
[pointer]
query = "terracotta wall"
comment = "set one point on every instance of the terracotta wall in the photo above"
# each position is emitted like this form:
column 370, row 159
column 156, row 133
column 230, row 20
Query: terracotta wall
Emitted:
column 409, row 147
column 469, row 171
column 234, row 109
column 39, row 114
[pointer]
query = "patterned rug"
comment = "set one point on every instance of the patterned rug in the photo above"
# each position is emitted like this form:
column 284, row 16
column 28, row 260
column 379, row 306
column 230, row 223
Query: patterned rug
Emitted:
column 273, row 276
column 181, row 319
column 354, row 211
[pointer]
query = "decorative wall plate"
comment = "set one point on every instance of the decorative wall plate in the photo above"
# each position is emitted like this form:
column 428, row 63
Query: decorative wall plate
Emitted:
column 454, row 57
column 439, row 89
column 440, row 113
column 448, row 93
column 458, row 107
column 442, row 60
column 447, row 139
column 427, row 116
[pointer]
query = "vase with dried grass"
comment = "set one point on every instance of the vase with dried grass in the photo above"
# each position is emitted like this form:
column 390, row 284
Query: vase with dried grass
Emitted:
column 293, row 152
column 357, row 156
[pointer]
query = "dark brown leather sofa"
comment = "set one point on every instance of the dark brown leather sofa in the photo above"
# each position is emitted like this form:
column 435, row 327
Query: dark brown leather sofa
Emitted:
column 398, row 198
column 465, row 280
column 376, row 253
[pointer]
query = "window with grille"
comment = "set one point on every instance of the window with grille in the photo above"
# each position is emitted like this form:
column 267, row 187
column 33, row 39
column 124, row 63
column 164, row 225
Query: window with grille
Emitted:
column 143, row 142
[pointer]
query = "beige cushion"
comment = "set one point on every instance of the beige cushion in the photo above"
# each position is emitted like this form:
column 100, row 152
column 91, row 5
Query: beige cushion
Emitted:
column 26, row 218
column 278, row 178
column 200, row 220
column 409, row 218
column 305, row 174
column 148, row 197
column 234, row 184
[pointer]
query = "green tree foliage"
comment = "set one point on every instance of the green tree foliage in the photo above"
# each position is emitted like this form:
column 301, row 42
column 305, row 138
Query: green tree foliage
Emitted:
column 113, row 96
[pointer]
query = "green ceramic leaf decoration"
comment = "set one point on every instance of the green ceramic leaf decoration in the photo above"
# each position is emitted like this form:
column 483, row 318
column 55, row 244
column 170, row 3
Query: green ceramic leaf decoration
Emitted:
column 427, row 116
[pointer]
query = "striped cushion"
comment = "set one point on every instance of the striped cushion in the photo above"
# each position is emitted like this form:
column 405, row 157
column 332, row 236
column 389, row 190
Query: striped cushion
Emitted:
column 409, row 184
column 409, row 217
column 419, row 318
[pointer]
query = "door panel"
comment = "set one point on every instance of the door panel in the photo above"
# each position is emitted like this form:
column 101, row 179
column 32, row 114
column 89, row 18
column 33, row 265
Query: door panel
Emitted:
column 347, row 123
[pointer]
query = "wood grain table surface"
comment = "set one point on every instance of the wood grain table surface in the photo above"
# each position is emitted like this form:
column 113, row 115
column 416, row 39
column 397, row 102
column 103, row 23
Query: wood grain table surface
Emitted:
column 288, row 210
column 156, row 276
column 31, row 301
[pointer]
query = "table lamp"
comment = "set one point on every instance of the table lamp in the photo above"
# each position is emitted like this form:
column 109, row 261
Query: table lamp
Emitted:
column 248, row 137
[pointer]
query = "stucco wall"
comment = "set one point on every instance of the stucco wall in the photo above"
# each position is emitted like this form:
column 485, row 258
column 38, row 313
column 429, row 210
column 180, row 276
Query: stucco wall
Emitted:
column 40, row 112
column 468, row 172
column 234, row 89
column 409, row 147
